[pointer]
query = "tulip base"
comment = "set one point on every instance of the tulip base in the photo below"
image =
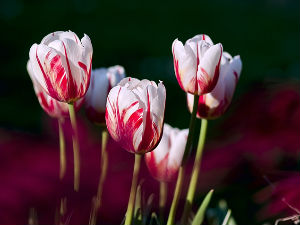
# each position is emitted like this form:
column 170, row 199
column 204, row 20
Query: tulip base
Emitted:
column 130, row 208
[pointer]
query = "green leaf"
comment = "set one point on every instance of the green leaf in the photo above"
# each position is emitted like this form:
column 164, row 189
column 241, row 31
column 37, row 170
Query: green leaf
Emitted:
column 227, row 217
column 201, row 211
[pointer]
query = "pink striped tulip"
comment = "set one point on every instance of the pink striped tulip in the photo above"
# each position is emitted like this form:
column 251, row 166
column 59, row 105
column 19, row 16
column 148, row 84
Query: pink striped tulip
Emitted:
column 135, row 114
column 51, row 106
column 102, row 81
column 62, row 65
column 197, row 64
column 164, row 161
column 214, row 104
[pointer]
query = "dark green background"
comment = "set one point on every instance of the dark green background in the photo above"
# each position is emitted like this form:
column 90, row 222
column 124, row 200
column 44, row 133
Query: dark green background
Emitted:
column 139, row 35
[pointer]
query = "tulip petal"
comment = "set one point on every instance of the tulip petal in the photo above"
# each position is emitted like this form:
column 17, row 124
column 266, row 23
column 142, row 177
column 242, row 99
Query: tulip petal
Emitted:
column 208, row 72
column 185, row 66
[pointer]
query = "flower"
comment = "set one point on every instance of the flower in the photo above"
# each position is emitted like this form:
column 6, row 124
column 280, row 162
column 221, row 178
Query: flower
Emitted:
column 135, row 114
column 196, row 64
column 102, row 81
column 164, row 161
column 62, row 65
column 214, row 104
column 51, row 106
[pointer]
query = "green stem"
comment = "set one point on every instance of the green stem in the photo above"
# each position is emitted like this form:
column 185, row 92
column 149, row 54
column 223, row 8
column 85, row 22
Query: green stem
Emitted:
column 179, row 182
column 104, row 165
column 130, row 208
column 75, row 148
column 189, row 141
column 177, row 194
column 62, row 152
column 195, row 173
column 163, row 190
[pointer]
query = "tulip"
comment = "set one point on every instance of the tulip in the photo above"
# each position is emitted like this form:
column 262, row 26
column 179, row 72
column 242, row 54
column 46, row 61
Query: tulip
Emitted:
column 134, row 118
column 210, row 106
column 52, row 107
column 164, row 161
column 196, row 64
column 55, row 109
column 62, row 65
column 135, row 114
column 102, row 81
column 214, row 104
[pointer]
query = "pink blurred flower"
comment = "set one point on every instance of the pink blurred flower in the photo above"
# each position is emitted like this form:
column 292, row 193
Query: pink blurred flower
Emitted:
column 164, row 161
column 281, row 197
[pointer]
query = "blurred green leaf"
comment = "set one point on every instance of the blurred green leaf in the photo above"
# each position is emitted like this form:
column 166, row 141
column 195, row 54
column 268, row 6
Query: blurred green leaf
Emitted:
column 227, row 217
column 201, row 211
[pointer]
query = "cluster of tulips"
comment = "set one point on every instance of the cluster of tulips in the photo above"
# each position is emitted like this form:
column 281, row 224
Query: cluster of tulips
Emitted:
column 132, row 110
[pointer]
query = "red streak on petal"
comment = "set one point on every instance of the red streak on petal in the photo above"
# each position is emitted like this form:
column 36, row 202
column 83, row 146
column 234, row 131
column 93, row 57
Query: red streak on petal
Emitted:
column 124, row 132
column 72, row 87
column 236, row 76
column 49, row 85
column 75, row 38
column 217, row 72
column 59, row 71
column 48, row 107
column 198, row 61
column 176, row 69
column 149, row 131
column 203, row 36
column 203, row 109
column 83, row 66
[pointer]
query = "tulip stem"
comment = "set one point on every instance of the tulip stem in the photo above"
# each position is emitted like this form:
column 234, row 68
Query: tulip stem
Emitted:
column 62, row 150
column 195, row 173
column 130, row 208
column 75, row 147
column 188, row 145
column 177, row 194
column 163, row 194
column 104, row 165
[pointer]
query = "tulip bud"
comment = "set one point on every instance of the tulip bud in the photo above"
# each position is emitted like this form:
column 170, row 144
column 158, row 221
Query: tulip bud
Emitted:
column 214, row 104
column 164, row 161
column 196, row 64
column 62, row 65
column 102, row 81
column 51, row 106
column 135, row 114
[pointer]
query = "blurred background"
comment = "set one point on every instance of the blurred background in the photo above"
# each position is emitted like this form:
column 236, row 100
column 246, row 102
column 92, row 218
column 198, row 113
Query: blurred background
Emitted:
column 256, row 140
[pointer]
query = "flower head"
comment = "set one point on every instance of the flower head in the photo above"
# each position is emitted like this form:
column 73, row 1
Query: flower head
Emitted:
column 62, row 65
column 135, row 114
column 196, row 64
column 102, row 81
column 164, row 161
column 51, row 106
column 215, row 103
